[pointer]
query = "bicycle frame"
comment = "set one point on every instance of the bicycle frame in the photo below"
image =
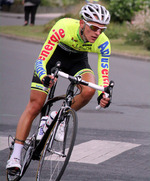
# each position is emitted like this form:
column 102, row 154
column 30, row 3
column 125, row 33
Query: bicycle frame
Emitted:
column 66, row 105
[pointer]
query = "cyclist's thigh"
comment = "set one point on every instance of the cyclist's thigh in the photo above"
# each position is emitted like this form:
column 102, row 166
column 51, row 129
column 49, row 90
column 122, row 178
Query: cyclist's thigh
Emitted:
column 88, row 76
column 36, row 102
column 37, row 94
column 83, row 69
column 38, row 97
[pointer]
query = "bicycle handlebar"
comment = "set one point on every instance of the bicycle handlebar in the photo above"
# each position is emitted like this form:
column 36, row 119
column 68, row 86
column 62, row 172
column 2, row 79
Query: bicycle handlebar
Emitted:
column 78, row 80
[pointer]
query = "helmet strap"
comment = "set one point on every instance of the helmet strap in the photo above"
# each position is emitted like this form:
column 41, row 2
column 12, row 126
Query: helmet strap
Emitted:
column 82, row 33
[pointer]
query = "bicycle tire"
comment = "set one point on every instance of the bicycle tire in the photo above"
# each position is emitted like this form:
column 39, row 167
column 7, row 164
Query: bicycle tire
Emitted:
column 26, row 159
column 53, row 162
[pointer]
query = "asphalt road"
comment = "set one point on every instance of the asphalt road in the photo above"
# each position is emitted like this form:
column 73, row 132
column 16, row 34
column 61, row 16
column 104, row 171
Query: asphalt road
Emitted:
column 112, row 144
column 119, row 134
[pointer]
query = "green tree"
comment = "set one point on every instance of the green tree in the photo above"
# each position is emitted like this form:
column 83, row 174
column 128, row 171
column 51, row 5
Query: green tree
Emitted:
column 124, row 10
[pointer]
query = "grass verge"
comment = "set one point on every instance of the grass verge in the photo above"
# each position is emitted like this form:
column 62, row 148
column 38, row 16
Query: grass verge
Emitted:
column 30, row 32
column 37, row 33
column 119, row 46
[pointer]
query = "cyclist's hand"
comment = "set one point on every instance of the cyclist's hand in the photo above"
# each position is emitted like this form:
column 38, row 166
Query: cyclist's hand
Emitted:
column 48, row 81
column 103, row 101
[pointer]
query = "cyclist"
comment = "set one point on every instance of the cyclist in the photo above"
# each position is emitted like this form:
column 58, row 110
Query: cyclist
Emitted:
column 68, row 41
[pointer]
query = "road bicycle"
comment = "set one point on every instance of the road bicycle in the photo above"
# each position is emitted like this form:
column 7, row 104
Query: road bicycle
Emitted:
column 52, row 155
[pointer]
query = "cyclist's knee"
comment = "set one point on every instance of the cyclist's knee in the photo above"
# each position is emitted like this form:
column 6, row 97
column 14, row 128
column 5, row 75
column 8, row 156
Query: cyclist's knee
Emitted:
column 87, row 93
column 34, row 107
column 36, row 102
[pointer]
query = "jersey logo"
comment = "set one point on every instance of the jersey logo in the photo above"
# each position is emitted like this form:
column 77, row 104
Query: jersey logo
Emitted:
column 74, row 39
column 54, row 39
column 87, row 45
column 104, row 62
column 39, row 68
column 104, row 52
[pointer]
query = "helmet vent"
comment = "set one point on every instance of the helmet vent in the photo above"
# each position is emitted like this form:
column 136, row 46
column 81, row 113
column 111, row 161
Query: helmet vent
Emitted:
column 95, row 13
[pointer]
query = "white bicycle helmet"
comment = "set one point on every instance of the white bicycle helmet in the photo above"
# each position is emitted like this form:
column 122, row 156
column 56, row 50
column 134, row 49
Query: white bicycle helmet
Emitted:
column 96, row 13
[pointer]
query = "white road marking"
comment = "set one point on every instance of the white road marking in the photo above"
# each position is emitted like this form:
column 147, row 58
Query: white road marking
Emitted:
column 98, row 151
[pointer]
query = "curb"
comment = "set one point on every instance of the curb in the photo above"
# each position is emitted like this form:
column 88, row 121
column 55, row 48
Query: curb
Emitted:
column 39, row 15
column 140, row 58
column 14, row 37
column 131, row 56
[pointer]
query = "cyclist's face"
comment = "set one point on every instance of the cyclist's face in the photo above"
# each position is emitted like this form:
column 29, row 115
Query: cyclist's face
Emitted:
column 92, row 30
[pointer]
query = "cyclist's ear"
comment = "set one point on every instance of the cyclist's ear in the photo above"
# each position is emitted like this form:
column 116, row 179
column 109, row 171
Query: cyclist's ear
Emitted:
column 81, row 23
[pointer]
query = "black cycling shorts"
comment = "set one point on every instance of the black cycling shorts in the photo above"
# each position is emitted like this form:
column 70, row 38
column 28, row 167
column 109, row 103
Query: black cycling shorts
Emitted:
column 71, row 63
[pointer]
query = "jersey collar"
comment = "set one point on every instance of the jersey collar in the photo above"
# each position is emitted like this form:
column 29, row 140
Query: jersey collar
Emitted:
column 79, row 37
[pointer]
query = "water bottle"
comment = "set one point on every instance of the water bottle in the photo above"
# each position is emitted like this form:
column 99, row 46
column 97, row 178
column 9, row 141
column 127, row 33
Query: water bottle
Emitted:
column 41, row 127
column 44, row 124
column 49, row 120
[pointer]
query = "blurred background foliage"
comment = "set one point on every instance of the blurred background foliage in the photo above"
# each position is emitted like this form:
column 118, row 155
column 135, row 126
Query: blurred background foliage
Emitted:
column 130, row 19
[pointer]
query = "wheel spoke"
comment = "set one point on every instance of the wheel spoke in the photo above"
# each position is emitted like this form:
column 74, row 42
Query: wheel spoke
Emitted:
column 54, row 161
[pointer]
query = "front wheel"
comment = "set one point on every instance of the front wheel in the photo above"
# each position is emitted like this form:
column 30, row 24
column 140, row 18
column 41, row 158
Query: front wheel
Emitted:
column 54, row 160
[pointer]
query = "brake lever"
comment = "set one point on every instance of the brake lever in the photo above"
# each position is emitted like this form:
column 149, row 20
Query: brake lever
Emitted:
column 108, row 92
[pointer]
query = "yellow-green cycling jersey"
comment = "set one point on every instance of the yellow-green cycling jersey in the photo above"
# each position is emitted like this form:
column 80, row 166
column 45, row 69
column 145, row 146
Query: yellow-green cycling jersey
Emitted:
column 66, row 32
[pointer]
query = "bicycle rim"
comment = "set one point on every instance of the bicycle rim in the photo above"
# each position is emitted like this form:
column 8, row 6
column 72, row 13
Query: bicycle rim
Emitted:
column 54, row 160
